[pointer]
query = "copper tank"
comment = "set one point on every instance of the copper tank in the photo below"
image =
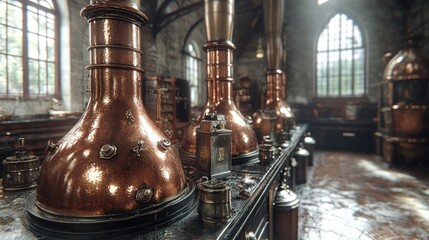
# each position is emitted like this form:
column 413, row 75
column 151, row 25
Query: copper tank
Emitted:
column 407, row 76
column 219, row 16
column 275, row 81
column 406, row 111
column 114, row 159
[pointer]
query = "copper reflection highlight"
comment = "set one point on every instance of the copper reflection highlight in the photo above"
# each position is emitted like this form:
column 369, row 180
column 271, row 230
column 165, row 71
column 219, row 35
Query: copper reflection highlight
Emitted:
column 115, row 152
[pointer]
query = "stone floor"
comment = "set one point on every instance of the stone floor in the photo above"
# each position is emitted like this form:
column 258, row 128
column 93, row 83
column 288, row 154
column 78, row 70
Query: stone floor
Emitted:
column 357, row 196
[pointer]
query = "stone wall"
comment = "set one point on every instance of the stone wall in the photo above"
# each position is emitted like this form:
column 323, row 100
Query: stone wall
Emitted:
column 418, row 22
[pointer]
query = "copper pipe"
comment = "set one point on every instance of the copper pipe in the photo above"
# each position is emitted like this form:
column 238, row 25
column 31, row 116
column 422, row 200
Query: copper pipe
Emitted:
column 219, row 15
column 275, row 81
column 273, row 22
column 114, row 159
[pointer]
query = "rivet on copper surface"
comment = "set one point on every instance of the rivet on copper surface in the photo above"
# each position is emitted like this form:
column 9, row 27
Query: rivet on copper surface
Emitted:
column 51, row 146
column 130, row 117
column 107, row 151
column 169, row 133
column 164, row 144
column 138, row 148
column 144, row 195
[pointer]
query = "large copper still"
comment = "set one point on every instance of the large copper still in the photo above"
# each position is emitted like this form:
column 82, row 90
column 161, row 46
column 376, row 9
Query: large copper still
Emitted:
column 219, row 16
column 284, row 120
column 405, row 113
column 114, row 160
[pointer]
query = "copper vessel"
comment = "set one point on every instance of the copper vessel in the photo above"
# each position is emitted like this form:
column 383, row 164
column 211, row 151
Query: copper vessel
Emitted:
column 405, row 113
column 275, row 80
column 219, row 15
column 20, row 171
column 114, row 172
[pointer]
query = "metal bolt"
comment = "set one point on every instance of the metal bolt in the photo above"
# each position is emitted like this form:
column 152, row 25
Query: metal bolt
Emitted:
column 144, row 195
column 164, row 144
column 107, row 151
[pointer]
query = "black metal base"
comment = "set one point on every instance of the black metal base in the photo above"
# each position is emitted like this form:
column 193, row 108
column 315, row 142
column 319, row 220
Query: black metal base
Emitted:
column 123, row 225
column 189, row 159
column 252, row 157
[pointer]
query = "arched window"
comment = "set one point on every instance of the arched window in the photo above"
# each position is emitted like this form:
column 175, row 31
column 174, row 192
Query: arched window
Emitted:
column 340, row 59
column 28, row 48
column 193, row 73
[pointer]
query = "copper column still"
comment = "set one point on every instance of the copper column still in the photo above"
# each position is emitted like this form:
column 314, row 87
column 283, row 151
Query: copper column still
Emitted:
column 405, row 114
column 114, row 160
column 219, row 16
column 273, row 102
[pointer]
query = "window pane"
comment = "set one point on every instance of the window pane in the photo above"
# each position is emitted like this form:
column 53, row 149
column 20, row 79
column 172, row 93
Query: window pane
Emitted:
column 3, row 85
column 3, row 39
column 42, row 48
column 32, row 19
column 33, row 77
column 14, row 15
column 14, row 41
column 42, row 78
column 51, row 78
column 3, row 12
column 51, row 50
column 15, row 74
column 33, row 46
column 322, row 44
column 47, row 3
column 42, row 23
column 50, row 28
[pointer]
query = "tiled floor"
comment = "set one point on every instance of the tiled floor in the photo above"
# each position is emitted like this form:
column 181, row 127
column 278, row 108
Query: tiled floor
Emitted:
column 357, row 196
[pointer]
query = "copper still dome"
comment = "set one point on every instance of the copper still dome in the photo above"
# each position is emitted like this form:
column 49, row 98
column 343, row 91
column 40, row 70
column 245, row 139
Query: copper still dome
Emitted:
column 408, row 64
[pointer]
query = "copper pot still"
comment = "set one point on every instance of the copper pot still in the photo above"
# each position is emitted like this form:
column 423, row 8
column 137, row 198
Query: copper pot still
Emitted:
column 407, row 76
column 219, row 16
column 275, row 79
column 114, row 159
column 406, row 111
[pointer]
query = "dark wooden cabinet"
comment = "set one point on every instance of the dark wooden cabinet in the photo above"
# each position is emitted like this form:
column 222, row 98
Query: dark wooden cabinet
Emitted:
column 357, row 136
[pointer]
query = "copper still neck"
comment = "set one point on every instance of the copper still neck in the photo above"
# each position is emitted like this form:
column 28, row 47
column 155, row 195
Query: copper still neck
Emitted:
column 274, row 86
column 115, row 159
column 219, row 15
column 219, row 72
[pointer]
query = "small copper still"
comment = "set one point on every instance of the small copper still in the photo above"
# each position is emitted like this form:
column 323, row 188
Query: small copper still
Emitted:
column 214, row 201
column 219, row 15
column 114, row 165
column 275, row 79
column 20, row 171
column 405, row 111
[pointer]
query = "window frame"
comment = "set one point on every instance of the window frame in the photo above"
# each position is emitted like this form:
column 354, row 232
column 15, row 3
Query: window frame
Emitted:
column 188, row 55
column 364, row 47
column 25, row 95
